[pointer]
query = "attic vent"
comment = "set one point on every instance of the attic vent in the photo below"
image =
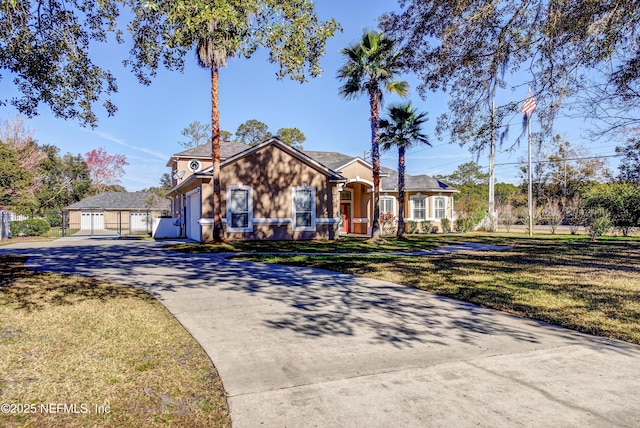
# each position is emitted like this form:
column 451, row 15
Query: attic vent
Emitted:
column 194, row 165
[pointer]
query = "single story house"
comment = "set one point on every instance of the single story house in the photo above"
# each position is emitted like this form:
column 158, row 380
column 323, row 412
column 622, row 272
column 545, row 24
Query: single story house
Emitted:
column 116, row 212
column 274, row 191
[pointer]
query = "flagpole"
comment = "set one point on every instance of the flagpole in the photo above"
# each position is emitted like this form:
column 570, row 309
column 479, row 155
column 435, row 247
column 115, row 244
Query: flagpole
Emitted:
column 492, row 155
column 528, row 107
column 530, row 196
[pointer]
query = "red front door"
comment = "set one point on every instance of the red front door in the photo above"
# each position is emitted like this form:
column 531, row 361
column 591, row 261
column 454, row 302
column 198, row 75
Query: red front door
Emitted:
column 345, row 213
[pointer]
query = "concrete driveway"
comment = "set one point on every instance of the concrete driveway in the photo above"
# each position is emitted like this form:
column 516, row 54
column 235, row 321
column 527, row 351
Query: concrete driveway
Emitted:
column 298, row 347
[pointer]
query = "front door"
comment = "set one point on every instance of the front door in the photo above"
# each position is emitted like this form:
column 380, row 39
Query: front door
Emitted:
column 193, row 213
column 345, row 213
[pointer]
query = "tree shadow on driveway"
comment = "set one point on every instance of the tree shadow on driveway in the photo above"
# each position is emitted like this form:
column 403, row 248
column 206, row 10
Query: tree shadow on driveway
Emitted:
column 310, row 302
column 307, row 302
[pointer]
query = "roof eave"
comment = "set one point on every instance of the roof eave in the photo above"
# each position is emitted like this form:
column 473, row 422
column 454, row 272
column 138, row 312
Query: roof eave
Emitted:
column 354, row 160
column 288, row 149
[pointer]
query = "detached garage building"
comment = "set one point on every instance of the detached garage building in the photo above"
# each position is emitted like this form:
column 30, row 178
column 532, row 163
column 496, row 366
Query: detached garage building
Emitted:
column 115, row 213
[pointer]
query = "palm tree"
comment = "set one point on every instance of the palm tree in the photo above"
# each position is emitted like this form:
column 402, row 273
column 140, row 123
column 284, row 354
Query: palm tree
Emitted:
column 212, row 52
column 402, row 129
column 371, row 66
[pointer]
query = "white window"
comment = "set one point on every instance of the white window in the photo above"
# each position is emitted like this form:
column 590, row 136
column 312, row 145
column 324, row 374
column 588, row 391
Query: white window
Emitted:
column 387, row 205
column 345, row 195
column 239, row 208
column 439, row 207
column 304, row 208
column 419, row 207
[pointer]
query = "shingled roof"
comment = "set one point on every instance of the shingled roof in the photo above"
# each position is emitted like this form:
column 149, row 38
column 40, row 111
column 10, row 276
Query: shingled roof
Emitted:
column 332, row 160
column 227, row 149
column 412, row 182
column 121, row 201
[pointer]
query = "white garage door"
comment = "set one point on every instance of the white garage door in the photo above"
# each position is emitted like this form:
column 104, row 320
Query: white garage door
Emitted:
column 92, row 220
column 139, row 222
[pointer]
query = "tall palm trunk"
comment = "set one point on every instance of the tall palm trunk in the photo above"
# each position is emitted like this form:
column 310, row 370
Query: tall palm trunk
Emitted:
column 400, row 233
column 215, row 154
column 374, row 103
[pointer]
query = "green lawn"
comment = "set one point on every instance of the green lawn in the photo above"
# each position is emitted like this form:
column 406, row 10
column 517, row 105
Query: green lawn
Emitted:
column 564, row 280
column 111, row 350
column 342, row 245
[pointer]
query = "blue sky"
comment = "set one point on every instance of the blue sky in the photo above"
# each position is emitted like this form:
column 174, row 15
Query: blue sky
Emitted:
column 149, row 121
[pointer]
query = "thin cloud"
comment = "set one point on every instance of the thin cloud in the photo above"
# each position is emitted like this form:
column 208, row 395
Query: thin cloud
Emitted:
column 113, row 139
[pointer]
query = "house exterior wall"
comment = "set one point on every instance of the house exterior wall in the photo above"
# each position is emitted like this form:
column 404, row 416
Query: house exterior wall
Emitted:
column 112, row 218
column 182, row 164
column 357, row 169
column 180, row 207
column 360, row 182
column 206, row 195
column 272, row 174
column 362, row 212
column 430, row 207
column 74, row 220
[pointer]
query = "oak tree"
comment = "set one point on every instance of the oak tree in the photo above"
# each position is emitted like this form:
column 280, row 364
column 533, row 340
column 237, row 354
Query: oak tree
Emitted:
column 45, row 49
column 472, row 48
column 629, row 168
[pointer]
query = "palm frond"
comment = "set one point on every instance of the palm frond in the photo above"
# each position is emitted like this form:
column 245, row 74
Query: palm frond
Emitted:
column 399, row 87
column 403, row 127
column 371, row 62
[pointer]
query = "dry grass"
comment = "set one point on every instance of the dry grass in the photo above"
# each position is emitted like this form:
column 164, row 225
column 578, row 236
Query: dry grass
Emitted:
column 19, row 239
column 346, row 244
column 590, row 287
column 70, row 340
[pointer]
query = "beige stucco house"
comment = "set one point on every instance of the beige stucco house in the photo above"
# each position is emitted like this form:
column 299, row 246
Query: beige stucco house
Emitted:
column 273, row 191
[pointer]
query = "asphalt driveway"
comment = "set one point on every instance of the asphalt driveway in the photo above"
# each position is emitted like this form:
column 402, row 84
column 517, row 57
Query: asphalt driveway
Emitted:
column 298, row 347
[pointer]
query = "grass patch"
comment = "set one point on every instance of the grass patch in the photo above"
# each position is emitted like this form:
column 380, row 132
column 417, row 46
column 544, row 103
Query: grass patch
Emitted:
column 71, row 340
column 138, row 237
column 342, row 245
column 565, row 280
column 19, row 239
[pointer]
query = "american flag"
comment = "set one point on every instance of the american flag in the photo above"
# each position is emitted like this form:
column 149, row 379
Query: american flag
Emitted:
column 529, row 104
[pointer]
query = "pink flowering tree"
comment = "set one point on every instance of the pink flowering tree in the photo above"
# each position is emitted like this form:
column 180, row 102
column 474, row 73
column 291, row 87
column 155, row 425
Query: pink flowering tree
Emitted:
column 105, row 169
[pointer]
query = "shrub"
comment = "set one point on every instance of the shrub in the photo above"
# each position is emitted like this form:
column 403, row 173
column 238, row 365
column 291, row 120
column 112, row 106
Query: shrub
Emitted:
column 388, row 223
column 31, row 227
column 413, row 226
column 574, row 213
column 446, row 225
column 554, row 214
column 598, row 221
column 508, row 219
column 622, row 202
column 54, row 218
column 464, row 224
column 425, row 226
